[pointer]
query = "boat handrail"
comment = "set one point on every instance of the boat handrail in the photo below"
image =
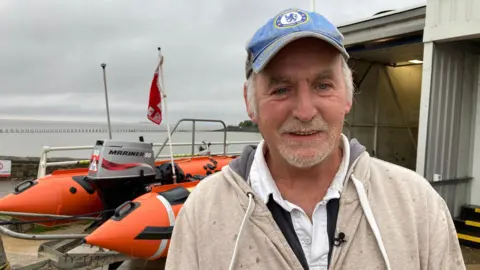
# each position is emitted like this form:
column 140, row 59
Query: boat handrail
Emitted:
column 193, row 120
column 43, row 164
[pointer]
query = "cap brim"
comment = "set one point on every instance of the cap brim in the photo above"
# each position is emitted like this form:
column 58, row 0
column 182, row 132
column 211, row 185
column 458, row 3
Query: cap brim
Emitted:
column 264, row 57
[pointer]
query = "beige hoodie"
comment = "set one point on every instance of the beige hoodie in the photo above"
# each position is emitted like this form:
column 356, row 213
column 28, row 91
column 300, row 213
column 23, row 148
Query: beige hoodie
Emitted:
column 391, row 218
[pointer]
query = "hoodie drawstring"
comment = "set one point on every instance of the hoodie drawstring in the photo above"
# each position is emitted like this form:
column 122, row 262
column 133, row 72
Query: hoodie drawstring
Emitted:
column 251, row 206
column 370, row 218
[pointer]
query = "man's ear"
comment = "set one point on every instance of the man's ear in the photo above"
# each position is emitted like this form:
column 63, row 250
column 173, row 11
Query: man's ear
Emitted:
column 349, row 103
column 348, row 106
column 247, row 104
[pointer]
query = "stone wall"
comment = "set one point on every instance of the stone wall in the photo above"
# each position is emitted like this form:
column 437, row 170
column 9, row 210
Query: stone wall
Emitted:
column 24, row 168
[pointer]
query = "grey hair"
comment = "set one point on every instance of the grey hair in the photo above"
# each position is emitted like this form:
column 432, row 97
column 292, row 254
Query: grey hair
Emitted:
column 252, row 103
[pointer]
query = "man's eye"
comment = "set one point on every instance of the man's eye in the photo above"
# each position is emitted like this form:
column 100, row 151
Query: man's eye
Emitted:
column 323, row 86
column 280, row 91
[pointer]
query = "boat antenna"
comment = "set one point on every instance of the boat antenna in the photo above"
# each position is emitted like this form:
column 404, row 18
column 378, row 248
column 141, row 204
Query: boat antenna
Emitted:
column 164, row 105
column 103, row 65
column 313, row 5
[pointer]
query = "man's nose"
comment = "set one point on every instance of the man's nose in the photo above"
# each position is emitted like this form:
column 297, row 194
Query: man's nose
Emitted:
column 304, row 109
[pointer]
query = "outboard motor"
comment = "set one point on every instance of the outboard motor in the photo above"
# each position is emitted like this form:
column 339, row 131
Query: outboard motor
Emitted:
column 120, row 170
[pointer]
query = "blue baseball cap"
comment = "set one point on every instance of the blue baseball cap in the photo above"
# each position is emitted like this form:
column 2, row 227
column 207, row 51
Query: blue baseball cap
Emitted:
column 287, row 26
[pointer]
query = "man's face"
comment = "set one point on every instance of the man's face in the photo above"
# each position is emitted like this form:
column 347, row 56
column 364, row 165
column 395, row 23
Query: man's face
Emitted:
column 302, row 100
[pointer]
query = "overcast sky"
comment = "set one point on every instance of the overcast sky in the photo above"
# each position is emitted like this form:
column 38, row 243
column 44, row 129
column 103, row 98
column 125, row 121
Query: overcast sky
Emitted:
column 51, row 51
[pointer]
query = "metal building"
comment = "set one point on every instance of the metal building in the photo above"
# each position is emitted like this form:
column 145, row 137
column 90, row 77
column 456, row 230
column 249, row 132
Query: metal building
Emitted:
column 417, row 104
column 449, row 140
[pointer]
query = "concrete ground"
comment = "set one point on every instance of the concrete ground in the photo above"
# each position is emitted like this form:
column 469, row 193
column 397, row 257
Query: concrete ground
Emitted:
column 471, row 257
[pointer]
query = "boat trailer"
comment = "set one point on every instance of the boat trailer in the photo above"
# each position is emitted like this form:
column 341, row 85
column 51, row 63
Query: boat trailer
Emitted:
column 56, row 253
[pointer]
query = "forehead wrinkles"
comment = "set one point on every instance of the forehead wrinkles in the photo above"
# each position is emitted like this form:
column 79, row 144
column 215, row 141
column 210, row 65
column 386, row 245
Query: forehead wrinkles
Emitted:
column 326, row 74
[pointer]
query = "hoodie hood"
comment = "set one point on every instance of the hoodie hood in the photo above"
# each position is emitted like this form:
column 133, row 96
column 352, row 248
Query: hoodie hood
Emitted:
column 243, row 164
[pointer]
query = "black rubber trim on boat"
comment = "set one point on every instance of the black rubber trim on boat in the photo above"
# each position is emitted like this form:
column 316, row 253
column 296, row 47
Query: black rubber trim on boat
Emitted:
column 21, row 187
column 124, row 209
column 81, row 180
column 155, row 233
column 176, row 195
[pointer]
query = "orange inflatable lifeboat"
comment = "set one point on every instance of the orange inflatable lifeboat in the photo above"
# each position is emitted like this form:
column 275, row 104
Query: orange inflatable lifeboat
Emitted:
column 142, row 228
column 61, row 193
column 115, row 176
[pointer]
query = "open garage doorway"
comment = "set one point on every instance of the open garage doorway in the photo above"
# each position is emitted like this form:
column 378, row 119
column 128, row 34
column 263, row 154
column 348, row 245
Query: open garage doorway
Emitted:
column 385, row 113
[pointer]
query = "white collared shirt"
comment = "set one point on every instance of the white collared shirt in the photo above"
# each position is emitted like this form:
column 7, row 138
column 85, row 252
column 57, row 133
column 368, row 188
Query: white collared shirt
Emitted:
column 313, row 235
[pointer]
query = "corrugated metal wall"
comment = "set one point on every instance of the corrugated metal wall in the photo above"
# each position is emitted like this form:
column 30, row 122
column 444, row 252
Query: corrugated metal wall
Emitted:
column 454, row 78
column 452, row 19
column 454, row 192
column 450, row 131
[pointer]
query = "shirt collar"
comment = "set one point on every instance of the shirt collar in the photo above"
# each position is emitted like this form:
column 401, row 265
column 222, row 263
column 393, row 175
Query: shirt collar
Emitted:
column 261, row 179
column 263, row 184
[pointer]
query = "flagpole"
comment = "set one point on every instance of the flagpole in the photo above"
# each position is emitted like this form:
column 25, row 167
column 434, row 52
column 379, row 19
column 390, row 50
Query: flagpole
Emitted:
column 164, row 105
column 313, row 5
column 103, row 65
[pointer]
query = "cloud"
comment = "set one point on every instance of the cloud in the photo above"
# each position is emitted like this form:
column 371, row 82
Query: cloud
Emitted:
column 51, row 53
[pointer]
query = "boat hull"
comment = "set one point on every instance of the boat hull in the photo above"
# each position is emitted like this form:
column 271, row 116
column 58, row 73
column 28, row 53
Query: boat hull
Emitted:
column 56, row 194
column 142, row 228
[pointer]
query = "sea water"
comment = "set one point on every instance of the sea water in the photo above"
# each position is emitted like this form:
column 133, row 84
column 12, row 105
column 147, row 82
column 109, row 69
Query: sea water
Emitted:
column 27, row 138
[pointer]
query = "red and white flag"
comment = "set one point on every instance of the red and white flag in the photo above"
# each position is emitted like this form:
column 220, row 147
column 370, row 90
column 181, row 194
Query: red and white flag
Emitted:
column 155, row 100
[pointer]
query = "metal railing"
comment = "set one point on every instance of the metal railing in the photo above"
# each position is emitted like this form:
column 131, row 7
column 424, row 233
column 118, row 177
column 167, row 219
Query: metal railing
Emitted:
column 44, row 164
column 193, row 133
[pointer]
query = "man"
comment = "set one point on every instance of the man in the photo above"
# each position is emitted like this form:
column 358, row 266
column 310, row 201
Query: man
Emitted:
column 306, row 197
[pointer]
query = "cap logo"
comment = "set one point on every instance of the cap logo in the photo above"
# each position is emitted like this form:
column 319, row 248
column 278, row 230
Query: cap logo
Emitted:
column 290, row 19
